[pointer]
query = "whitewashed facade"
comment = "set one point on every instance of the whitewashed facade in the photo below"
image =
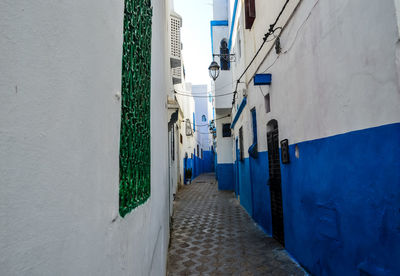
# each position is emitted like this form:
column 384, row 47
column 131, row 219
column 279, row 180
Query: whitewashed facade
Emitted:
column 60, row 112
column 335, row 97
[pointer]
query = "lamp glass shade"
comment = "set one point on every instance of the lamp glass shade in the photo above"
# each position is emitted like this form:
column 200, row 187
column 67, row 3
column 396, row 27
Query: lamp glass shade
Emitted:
column 213, row 70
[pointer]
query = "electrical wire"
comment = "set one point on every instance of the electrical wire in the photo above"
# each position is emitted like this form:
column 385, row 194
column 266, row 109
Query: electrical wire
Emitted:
column 295, row 38
column 202, row 96
column 265, row 39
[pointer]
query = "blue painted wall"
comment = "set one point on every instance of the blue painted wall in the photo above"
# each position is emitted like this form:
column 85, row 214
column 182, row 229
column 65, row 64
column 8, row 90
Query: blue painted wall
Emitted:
column 200, row 166
column 225, row 177
column 216, row 165
column 261, row 197
column 341, row 201
column 245, row 187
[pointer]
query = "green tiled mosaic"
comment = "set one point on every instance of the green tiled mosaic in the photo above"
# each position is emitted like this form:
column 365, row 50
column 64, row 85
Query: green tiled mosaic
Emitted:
column 135, row 115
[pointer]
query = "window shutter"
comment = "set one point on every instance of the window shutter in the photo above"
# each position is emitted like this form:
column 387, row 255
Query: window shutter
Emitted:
column 250, row 13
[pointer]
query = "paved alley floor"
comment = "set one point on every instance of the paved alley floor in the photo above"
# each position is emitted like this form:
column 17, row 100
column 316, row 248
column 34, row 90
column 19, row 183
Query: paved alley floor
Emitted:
column 213, row 235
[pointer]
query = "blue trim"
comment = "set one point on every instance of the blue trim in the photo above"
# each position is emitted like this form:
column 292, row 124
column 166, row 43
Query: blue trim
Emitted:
column 241, row 107
column 232, row 24
column 214, row 23
column 262, row 79
column 254, row 119
column 194, row 122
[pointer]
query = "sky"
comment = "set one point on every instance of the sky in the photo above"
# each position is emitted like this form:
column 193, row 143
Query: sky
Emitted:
column 196, row 38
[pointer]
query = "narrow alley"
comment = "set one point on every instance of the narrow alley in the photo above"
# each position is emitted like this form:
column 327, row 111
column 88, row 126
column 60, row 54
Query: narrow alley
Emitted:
column 213, row 235
column 200, row 137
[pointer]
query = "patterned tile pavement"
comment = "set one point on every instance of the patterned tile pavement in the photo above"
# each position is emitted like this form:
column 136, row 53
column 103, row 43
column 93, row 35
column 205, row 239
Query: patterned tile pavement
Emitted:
column 213, row 235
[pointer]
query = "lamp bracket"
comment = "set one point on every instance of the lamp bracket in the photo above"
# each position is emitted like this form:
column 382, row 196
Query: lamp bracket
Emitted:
column 231, row 57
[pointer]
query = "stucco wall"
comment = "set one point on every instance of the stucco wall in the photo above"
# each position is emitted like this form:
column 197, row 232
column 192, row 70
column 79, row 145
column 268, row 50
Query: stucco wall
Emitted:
column 224, row 144
column 341, row 108
column 59, row 164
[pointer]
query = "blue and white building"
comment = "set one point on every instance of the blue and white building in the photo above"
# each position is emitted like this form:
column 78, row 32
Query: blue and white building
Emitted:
column 314, row 155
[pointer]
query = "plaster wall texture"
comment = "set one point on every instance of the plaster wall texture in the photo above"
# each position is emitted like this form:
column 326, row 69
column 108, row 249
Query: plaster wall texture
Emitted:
column 59, row 143
column 224, row 144
column 331, row 90
column 320, row 100
column 220, row 10
column 397, row 5
column 223, row 83
column 342, row 109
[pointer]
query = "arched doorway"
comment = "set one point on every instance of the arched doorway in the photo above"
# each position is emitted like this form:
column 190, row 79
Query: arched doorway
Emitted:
column 275, row 183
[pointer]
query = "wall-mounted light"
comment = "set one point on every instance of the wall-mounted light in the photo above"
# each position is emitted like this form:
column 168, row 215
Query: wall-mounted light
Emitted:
column 213, row 70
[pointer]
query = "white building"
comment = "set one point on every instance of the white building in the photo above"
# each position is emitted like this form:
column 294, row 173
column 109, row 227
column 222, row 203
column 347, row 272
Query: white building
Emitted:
column 60, row 117
column 222, row 88
column 190, row 112
column 333, row 198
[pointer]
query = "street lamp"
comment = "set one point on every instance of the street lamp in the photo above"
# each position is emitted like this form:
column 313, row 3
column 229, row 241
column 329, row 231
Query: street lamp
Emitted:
column 213, row 70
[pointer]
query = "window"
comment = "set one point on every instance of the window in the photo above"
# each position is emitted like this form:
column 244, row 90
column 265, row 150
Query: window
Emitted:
column 204, row 118
column 201, row 153
column 181, row 138
column 224, row 56
column 194, row 122
column 250, row 13
column 241, row 148
column 239, row 44
column 188, row 128
column 254, row 120
column 134, row 154
column 198, row 151
column 173, row 144
column 267, row 103
column 226, row 130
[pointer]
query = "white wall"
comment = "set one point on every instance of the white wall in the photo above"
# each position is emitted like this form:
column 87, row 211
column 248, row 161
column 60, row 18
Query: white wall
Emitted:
column 59, row 145
column 220, row 10
column 334, row 77
column 224, row 144
column 201, row 108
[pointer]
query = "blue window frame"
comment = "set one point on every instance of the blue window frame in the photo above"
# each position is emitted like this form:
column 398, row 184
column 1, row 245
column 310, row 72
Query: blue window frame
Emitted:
column 254, row 119
column 194, row 122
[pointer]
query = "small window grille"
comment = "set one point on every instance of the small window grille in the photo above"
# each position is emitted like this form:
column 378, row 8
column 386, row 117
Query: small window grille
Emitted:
column 267, row 103
column 226, row 130
column 189, row 131
column 134, row 155
column 175, row 37
column 224, row 56
column 198, row 151
column 201, row 153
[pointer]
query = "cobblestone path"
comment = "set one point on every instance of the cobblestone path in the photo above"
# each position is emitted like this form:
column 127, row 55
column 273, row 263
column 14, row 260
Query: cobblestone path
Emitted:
column 213, row 235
